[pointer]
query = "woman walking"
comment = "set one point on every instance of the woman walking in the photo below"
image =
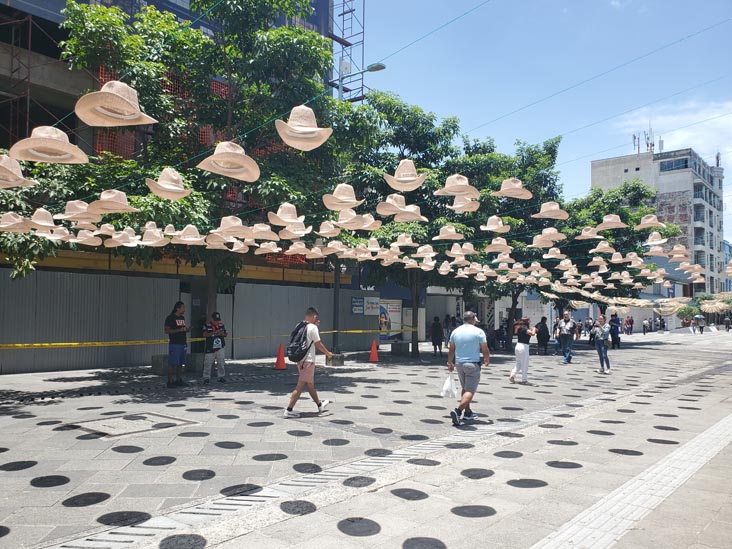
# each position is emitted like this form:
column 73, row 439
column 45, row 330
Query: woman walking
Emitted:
column 542, row 335
column 436, row 335
column 601, row 331
column 523, row 336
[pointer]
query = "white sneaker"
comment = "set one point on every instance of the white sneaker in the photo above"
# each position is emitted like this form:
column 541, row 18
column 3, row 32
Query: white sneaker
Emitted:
column 323, row 406
column 287, row 413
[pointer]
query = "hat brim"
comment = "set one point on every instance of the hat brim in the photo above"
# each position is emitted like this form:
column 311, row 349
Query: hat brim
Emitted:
column 266, row 235
column 64, row 153
column 336, row 204
column 41, row 226
column 109, row 207
column 404, row 185
column 458, row 190
column 245, row 168
column 86, row 110
column 656, row 242
column 329, row 234
column 610, row 225
column 91, row 242
column 560, row 215
column 455, row 236
column 9, row 180
column 155, row 243
column 200, row 241
column 521, row 194
column 500, row 230
column 471, row 206
column 386, row 209
column 406, row 217
column 302, row 140
column 587, row 237
column 642, row 226
column 79, row 217
column 275, row 219
column 166, row 191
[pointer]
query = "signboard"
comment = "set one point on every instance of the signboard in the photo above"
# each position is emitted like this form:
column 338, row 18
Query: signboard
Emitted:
column 371, row 306
column 390, row 318
column 356, row 305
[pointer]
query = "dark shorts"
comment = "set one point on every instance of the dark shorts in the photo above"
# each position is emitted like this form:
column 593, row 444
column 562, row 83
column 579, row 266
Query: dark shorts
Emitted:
column 176, row 354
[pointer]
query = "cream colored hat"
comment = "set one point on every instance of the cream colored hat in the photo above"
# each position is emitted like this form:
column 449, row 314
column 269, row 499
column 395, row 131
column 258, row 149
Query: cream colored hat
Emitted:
column 84, row 226
column 411, row 213
column 154, row 238
column 373, row 245
column 655, row 239
column 230, row 160
column 425, row 252
column 656, row 251
column 565, row 265
column 444, row 268
column 596, row 262
column 554, row 253
column 405, row 241
column 495, row 224
column 611, row 221
column 505, row 258
column 11, row 175
column 369, row 223
column 107, row 229
column 411, row 264
column 11, row 222
column 301, row 130
column 618, row 258
column 286, row 215
column 115, row 105
column 295, row 230
column 215, row 241
column 550, row 233
column 541, row 242
column 405, row 177
column 551, row 210
column 126, row 238
column 48, row 144
column 231, row 225
column 262, row 231
column 315, row 253
column 169, row 230
column 76, row 210
column 239, row 247
column 41, row 220
column 394, row 204
column 328, row 230
column 588, row 233
column 468, row 249
column 86, row 238
column 54, row 235
column 267, row 248
column 455, row 251
column 648, row 222
column 169, row 185
column 498, row 244
column 679, row 249
column 513, row 188
column 297, row 248
column 603, row 248
column 111, row 201
column 464, row 204
column 343, row 198
column 448, row 232
column 458, row 185
column 189, row 236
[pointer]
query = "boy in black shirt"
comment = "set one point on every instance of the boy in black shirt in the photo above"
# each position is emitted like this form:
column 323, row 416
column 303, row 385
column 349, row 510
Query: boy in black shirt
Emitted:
column 215, row 332
column 175, row 327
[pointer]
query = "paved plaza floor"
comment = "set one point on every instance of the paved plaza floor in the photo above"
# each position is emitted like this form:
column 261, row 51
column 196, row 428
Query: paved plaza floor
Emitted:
column 639, row 458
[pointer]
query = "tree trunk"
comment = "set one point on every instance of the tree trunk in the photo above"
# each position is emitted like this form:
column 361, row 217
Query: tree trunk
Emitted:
column 212, row 285
column 414, row 287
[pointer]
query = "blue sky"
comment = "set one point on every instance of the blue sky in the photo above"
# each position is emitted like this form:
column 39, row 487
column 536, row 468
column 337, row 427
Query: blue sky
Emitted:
column 509, row 53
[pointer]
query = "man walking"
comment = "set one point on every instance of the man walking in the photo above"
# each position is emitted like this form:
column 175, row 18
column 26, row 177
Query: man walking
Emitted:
column 306, row 367
column 567, row 331
column 175, row 327
column 615, row 331
column 466, row 345
column 215, row 334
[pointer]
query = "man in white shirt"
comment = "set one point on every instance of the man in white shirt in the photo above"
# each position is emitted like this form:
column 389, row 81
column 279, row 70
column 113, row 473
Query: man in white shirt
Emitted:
column 567, row 332
column 306, row 367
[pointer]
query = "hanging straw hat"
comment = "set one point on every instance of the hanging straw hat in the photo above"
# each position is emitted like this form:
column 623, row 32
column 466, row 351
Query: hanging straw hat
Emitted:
column 301, row 129
column 550, row 233
column 495, row 224
column 231, row 225
column 656, row 251
column 348, row 219
column 262, row 231
column 411, row 213
column 230, row 160
column 458, row 185
column 405, row 177
column 395, row 205
column 648, row 222
column 239, row 247
column 315, row 253
column 655, row 239
column 603, row 248
column 425, row 251
column 11, row 175
column 588, row 233
column 455, row 251
column 154, row 238
column 11, row 222
column 107, row 229
column 328, row 230
column 405, row 241
column 503, row 258
column 513, row 188
column 343, row 198
column 125, row 238
column 297, row 248
column 551, row 210
column 565, row 265
column 41, row 220
column 596, row 262
column 444, row 268
column 76, row 210
column 169, row 185
column 618, row 258
column 611, row 221
column 189, row 236
column 464, row 204
column 554, row 253
column 116, row 104
column 55, row 235
column 498, row 244
column 86, row 238
column 540, row 242
column 111, row 201
column 48, row 144
column 215, row 241
column 267, row 248
column 448, row 232
column 295, row 230
column 286, row 215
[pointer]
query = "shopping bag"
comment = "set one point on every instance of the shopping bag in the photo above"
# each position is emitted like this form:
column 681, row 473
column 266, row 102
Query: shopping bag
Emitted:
column 449, row 388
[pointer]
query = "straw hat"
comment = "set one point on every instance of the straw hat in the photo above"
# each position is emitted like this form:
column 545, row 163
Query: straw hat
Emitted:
column 239, row 247
column 301, row 130
column 189, row 236
column 215, row 241
column 444, row 268
column 11, row 222
column 455, row 251
column 343, row 198
column 405, row 177
column 550, row 233
column 596, row 262
column 405, row 241
column 495, row 224
column 513, row 188
column 169, row 230
column 679, row 249
column 297, row 248
column 458, row 185
column 540, row 242
column 315, row 253
column 464, row 204
column 468, row 249
column 48, row 144
column 656, row 251
column 618, row 258
column 410, row 213
column 603, row 248
column 114, row 105
column 565, row 265
column 125, row 238
column 231, row 225
column 262, row 231
column 230, row 160
column 373, row 245
column 84, row 226
column 551, row 210
column 76, row 210
column 504, row 257
column 41, row 220
column 169, row 185
column 425, row 251
column 498, row 244
column 107, row 229
column 286, row 215
column 267, row 248
column 86, row 238
column 655, row 239
column 328, row 230
column 411, row 264
column 461, row 274
column 554, row 253
column 111, row 201
column 11, row 175
column 54, row 235
column 448, row 232
column 428, row 265
column 611, row 221
column 394, row 204
column 648, row 222
column 348, row 219
column 588, row 233
column 369, row 223
column 295, row 230
column 333, row 247
column 154, row 238
column 461, row 260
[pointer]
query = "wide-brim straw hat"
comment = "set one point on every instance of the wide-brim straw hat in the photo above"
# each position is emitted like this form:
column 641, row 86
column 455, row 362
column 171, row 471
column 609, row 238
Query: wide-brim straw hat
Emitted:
column 655, row 239
column 551, row 210
column 498, row 244
column 169, row 185
column 551, row 233
column 286, row 215
column 554, row 253
column 648, row 222
column 656, row 251
column 618, row 258
column 455, row 251
column 328, row 230
column 55, row 235
column 495, row 224
column 111, row 201
column 394, row 204
column 77, row 210
column 405, row 241
column 504, row 258
column 189, row 236
column 231, row 225
column 262, row 231
column 611, row 221
column 458, row 185
column 513, row 188
column 50, row 145
column 301, row 130
column 154, row 238
column 230, row 160
column 297, row 248
column 11, row 222
column 216, row 241
column 11, row 175
column 405, row 177
column 294, row 231
column 410, row 214
column 343, row 198
column 425, row 251
column 603, row 248
column 596, row 262
column 86, row 238
column 448, row 232
column 588, row 233
column 540, row 242
column 41, row 220
column 464, row 204
column 267, row 248
column 116, row 104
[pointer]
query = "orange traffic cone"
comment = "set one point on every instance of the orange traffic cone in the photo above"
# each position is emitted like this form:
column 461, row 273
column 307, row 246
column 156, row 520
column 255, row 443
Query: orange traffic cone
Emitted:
column 374, row 356
column 280, row 364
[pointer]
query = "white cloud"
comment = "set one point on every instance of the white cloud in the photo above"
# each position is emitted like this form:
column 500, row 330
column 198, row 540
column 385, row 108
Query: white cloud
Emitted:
column 616, row 4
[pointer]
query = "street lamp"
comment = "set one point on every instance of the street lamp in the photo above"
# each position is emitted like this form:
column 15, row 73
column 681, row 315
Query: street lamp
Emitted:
column 373, row 67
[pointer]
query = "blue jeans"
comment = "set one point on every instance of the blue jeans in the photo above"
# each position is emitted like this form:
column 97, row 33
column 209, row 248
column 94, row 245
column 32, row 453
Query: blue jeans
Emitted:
column 602, row 353
column 176, row 354
column 566, row 340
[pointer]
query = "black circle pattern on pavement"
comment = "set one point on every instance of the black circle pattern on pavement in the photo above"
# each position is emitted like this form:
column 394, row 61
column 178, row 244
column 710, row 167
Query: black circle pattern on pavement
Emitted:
column 114, row 413
column 359, row 527
column 391, row 414
column 175, row 405
column 626, row 411
column 665, row 428
column 564, row 464
column 473, row 511
column 476, row 474
column 183, row 541
column 123, row 518
column 163, row 425
column 409, row 494
column 240, row 489
column 509, row 434
column 527, row 483
column 4, row 531
column 509, row 454
column 127, row 449
column 459, row 445
column 356, row 407
column 90, row 436
column 260, row 423
column 49, row 481
column 200, row 410
column 159, row 460
column 298, row 507
column 625, row 452
column 358, row 482
column 662, row 441
column 378, row 452
column 666, row 415
column 341, row 421
column 228, row 416
column 550, row 426
column 269, row 457
column 48, row 422
column 601, row 433
column 382, row 430
column 431, row 421
column 199, row 474
column 17, row 465
column 423, row 543
column 193, row 434
column 229, row 445
column 424, row 462
column 414, row 437
column 298, row 433
column 86, row 499
column 307, row 468
column 3, row 450
column 612, row 421
column 85, row 408
column 336, row 442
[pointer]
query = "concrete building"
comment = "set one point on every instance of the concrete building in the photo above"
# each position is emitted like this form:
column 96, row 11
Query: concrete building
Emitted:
column 727, row 250
column 689, row 195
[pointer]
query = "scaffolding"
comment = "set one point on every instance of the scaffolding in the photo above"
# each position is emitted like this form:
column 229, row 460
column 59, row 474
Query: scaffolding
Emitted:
column 19, row 95
column 347, row 33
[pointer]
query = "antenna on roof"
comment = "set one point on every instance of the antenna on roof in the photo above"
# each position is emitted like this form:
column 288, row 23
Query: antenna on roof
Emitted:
column 650, row 140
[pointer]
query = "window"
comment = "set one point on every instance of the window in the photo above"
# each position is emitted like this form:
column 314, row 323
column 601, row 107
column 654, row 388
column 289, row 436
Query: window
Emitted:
column 675, row 164
column 637, row 169
column 625, row 170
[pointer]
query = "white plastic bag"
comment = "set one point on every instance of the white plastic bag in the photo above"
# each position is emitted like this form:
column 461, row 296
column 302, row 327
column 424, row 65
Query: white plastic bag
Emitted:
column 449, row 388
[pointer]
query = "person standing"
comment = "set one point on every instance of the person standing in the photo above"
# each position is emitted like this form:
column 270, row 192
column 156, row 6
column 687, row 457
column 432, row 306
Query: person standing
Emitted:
column 701, row 323
column 446, row 327
column 436, row 335
column 175, row 327
column 522, row 351
column 727, row 323
column 646, row 326
column 567, row 332
column 306, row 367
column 615, row 331
column 215, row 334
column 542, row 335
column 467, row 343
column 602, row 335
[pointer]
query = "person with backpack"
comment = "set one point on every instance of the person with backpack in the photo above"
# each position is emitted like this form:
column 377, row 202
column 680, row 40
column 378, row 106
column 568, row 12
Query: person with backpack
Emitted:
column 542, row 336
column 304, row 340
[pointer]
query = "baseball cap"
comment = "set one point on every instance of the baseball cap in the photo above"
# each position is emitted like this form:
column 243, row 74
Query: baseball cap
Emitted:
column 216, row 316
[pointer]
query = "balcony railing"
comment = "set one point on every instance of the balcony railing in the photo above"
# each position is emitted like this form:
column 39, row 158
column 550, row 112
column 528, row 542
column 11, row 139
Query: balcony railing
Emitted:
column 699, row 194
column 699, row 218
column 699, row 241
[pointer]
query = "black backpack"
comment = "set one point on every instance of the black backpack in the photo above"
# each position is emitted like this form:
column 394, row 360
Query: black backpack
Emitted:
column 298, row 346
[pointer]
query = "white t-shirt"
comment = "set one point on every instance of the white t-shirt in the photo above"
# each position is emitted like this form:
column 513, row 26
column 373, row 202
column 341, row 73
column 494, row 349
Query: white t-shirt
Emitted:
column 313, row 337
